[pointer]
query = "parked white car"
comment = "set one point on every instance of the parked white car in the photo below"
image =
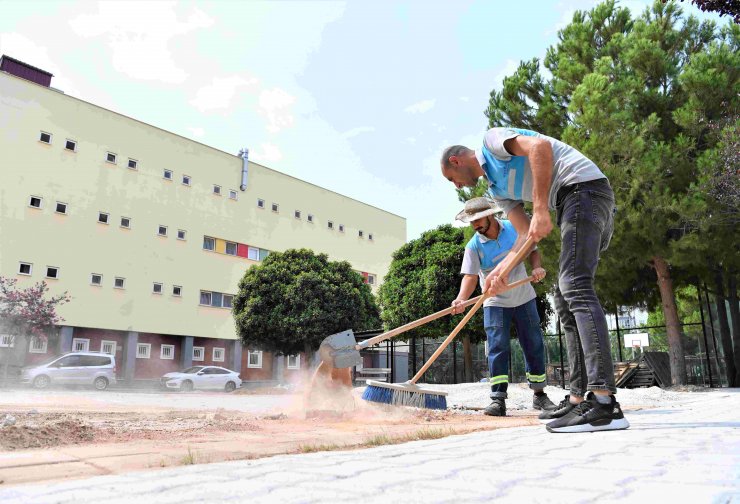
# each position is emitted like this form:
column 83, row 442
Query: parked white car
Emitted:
column 203, row 378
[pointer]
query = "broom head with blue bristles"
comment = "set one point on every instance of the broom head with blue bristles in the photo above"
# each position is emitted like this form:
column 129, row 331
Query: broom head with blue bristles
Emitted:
column 404, row 394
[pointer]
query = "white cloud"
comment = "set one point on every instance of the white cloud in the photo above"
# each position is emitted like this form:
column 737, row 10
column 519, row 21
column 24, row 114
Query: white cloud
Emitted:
column 220, row 92
column 197, row 132
column 420, row 107
column 274, row 104
column 465, row 98
column 139, row 36
column 267, row 153
column 357, row 131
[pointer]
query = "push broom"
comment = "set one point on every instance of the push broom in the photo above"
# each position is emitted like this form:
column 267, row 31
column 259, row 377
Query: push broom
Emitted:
column 409, row 393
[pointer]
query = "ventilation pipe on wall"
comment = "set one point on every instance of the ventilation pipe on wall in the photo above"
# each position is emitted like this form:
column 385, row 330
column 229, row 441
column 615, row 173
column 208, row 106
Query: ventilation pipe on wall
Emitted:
column 244, row 154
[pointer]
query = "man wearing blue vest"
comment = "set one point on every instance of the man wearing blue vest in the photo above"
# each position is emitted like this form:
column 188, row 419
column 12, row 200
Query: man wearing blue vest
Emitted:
column 523, row 165
column 490, row 245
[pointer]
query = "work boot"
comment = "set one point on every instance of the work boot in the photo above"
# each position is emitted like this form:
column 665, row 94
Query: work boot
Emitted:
column 542, row 402
column 496, row 408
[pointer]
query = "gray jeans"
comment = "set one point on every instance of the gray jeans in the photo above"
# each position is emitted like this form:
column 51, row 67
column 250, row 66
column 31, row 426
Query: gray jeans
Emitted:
column 585, row 215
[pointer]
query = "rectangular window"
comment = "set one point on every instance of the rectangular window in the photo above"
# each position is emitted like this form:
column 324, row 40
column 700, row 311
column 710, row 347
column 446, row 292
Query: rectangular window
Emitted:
column 209, row 243
column 294, row 362
column 108, row 347
column 80, row 345
column 217, row 190
column 7, row 341
column 71, row 145
column 119, row 283
column 186, row 180
column 218, row 354
column 45, row 137
column 233, row 194
column 198, row 353
column 96, row 279
column 125, row 222
column 167, row 352
column 297, row 214
column 38, row 345
column 143, row 350
column 176, row 290
column 157, row 288
column 217, row 299
column 180, row 234
column 254, row 359
column 359, row 233
column 167, row 175
column 310, row 218
column 52, row 272
column 371, row 279
column 25, row 268
column 253, row 253
column 341, row 228
column 260, row 203
column 227, row 301
column 103, row 217
column 330, row 225
column 61, row 208
column 231, row 248
column 110, row 157
column 162, row 230
column 275, row 207
column 133, row 164
column 35, row 201
column 370, row 236
column 205, row 298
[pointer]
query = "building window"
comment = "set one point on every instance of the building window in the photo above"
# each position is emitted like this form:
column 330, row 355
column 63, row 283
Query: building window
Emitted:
column 35, row 201
column 227, row 301
column 260, row 203
column 254, row 359
column 7, row 341
column 80, row 345
column 162, row 230
column 167, row 352
column 180, row 234
column 167, row 175
column 61, row 208
column 110, row 158
column 217, row 190
column 294, row 362
column 108, row 347
column 297, row 214
column 198, row 353
column 103, row 217
column 133, row 164
column 143, row 350
column 233, row 194
column 119, row 283
column 371, row 279
column 38, row 345
column 275, row 207
column 25, row 268
column 209, row 243
column 205, row 298
column 218, row 354
column 176, row 290
column 341, row 228
column 71, row 145
column 359, row 233
column 253, row 253
column 52, row 272
column 231, row 248
column 157, row 288
column 370, row 236
column 45, row 137
column 126, row 222
column 310, row 218
column 330, row 225
column 96, row 279
column 186, row 180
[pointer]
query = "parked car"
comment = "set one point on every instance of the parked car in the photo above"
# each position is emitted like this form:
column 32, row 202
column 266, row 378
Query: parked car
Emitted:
column 203, row 378
column 75, row 368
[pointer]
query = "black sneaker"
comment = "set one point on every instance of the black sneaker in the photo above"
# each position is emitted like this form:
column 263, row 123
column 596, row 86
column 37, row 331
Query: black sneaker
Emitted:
column 591, row 416
column 496, row 408
column 542, row 402
column 562, row 409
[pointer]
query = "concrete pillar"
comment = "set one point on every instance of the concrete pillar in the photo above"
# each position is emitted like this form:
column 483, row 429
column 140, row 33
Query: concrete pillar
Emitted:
column 65, row 339
column 235, row 362
column 129, row 356
column 186, row 352
column 278, row 368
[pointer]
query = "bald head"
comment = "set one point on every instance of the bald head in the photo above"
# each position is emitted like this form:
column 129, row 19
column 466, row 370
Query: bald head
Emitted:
column 460, row 166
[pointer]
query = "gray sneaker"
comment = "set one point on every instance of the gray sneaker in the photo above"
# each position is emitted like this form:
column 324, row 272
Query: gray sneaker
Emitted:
column 542, row 402
column 496, row 408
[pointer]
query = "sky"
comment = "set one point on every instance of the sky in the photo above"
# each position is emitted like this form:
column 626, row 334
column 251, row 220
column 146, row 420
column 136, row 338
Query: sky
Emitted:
column 357, row 97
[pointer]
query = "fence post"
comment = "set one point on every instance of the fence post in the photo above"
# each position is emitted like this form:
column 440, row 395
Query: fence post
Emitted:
column 714, row 336
column 413, row 354
column 393, row 360
column 619, row 338
column 560, row 344
column 704, row 331
column 423, row 357
column 454, row 362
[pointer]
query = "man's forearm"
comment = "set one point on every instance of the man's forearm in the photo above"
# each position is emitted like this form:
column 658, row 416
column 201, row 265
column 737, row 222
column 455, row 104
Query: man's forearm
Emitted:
column 535, row 259
column 467, row 286
column 540, row 160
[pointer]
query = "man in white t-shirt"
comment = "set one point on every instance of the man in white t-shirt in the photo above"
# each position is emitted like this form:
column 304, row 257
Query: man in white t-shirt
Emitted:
column 491, row 244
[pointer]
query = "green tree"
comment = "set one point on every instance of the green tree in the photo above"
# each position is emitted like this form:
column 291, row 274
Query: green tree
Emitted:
column 294, row 299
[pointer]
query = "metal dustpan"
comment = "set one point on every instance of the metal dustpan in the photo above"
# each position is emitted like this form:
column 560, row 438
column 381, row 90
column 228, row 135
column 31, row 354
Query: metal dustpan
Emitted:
column 340, row 350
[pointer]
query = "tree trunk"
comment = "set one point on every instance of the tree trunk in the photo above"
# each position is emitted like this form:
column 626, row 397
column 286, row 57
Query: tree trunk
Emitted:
column 724, row 327
column 735, row 312
column 467, row 359
column 673, row 329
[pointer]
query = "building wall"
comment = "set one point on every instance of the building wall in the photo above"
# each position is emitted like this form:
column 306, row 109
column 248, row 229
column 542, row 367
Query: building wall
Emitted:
column 79, row 246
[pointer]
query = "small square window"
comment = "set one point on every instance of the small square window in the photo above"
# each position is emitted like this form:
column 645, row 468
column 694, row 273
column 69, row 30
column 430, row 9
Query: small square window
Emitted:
column 370, row 236
column 231, row 248
column 162, row 230
column 71, row 145
column 111, row 158
column 35, row 201
column 157, row 288
column 260, row 203
column 45, row 137
column 167, row 352
column 108, row 347
column 180, row 234
column 359, row 233
column 198, row 353
column 96, row 279
column 253, row 253
column 61, row 208
column 309, row 218
column 126, row 222
column 38, row 345
column 294, row 362
column 275, row 207
column 233, row 194
column 119, row 283
column 341, row 228
column 103, row 217
column 218, row 354
column 205, row 298
column 143, row 350
column 167, row 175
column 297, row 214
column 133, row 164
column 228, row 299
column 80, row 345
column 7, row 341
column 330, row 225
column 176, row 290
column 186, row 180
column 371, row 279
column 217, row 190
column 254, row 359
column 25, row 268
column 52, row 272
column 209, row 243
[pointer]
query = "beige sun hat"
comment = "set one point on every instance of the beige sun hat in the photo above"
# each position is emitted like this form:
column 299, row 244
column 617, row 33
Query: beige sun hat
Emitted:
column 475, row 209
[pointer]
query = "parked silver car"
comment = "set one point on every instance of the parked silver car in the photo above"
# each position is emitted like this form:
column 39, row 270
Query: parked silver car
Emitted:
column 76, row 368
column 201, row 378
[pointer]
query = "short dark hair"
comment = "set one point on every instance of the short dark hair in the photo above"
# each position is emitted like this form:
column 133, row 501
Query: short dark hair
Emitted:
column 454, row 150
